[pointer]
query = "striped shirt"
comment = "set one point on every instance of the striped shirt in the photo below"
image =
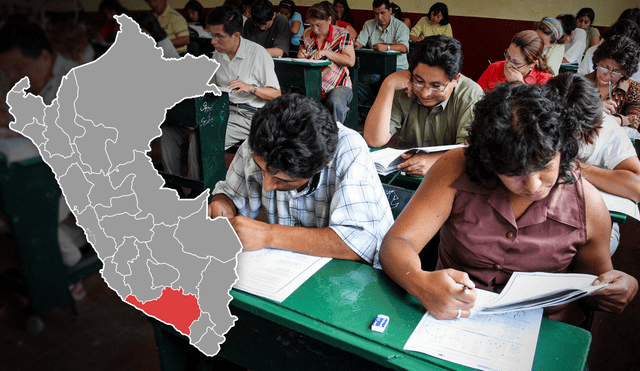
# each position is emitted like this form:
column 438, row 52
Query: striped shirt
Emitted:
column 346, row 196
column 174, row 25
column 337, row 40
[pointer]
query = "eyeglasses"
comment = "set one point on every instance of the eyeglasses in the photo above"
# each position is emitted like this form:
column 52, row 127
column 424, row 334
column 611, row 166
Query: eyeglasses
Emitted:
column 614, row 74
column 419, row 87
column 507, row 58
column 220, row 36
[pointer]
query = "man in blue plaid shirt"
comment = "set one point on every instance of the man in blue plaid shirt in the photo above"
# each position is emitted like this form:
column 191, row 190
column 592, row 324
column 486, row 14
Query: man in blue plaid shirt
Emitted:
column 315, row 179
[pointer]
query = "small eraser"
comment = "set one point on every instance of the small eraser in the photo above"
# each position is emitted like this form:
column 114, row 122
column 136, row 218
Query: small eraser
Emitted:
column 380, row 323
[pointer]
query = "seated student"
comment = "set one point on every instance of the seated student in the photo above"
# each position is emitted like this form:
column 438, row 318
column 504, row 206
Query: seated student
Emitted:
column 606, row 157
column 149, row 24
column 110, row 28
column 574, row 39
column 550, row 31
column 288, row 10
column 315, row 179
column 343, row 11
column 616, row 60
column 268, row 28
column 585, row 18
column 25, row 51
column 196, row 14
column 324, row 41
column 436, row 23
column 246, row 68
column 397, row 13
column 383, row 33
column 523, row 63
column 509, row 202
column 428, row 105
column 624, row 27
column 173, row 24
column 337, row 22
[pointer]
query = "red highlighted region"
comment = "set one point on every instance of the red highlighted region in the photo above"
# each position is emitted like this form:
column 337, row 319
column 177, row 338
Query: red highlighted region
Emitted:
column 172, row 307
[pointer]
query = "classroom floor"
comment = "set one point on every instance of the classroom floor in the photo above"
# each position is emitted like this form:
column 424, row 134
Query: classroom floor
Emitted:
column 111, row 335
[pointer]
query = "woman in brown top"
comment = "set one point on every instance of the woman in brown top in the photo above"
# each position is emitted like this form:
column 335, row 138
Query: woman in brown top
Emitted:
column 615, row 60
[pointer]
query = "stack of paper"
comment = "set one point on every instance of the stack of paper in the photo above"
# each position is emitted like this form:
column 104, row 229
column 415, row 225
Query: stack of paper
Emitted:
column 388, row 159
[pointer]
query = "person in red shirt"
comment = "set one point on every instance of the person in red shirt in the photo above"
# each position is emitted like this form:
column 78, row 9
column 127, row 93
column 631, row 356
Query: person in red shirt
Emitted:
column 523, row 63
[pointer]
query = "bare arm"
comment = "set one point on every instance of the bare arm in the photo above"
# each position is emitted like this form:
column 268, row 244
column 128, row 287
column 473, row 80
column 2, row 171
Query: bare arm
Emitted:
column 346, row 57
column 263, row 92
column 421, row 219
column 594, row 258
column 180, row 41
column 295, row 27
column 275, row 52
column 623, row 180
column 377, row 127
column 383, row 47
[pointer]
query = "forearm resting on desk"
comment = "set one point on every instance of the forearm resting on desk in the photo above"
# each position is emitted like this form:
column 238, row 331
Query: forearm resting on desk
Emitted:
column 221, row 205
column 181, row 41
column 623, row 181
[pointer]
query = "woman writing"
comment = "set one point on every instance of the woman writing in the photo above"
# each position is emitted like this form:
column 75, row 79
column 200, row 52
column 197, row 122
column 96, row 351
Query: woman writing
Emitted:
column 522, row 63
column 550, row 32
column 324, row 41
column 437, row 23
column 616, row 59
column 510, row 201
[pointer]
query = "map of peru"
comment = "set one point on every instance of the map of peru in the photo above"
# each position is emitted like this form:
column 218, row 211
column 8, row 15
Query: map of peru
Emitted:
column 161, row 254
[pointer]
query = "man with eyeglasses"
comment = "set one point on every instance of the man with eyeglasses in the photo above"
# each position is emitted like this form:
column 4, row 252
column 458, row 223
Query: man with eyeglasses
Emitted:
column 429, row 104
column 268, row 28
column 246, row 69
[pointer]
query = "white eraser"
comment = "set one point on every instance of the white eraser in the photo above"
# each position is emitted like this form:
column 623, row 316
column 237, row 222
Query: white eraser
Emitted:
column 380, row 323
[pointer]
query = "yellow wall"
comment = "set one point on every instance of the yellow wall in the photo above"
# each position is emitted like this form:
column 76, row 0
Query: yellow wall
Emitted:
column 527, row 10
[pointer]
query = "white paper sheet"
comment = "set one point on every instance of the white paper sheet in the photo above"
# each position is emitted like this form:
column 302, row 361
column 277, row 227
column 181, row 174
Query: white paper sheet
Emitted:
column 621, row 205
column 492, row 342
column 275, row 274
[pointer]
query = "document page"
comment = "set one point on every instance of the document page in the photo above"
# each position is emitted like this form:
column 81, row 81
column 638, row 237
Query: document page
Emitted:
column 387, row 159
column 302, row 60
column 494, row 342
column 275, row 274
column 620, row 205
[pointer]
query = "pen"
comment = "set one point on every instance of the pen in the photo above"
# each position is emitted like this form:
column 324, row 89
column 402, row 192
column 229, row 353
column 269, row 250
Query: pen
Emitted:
column 466, row 289
column 610, row 97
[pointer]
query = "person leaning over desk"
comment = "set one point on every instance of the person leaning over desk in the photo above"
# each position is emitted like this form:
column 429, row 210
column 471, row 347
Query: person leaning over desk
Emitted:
column 430, row 104
column 315, row 179
column 510, row 201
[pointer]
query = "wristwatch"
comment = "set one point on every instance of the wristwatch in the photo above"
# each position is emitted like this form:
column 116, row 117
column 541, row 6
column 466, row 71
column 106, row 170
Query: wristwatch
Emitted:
column 388, row 47
column 255, row 89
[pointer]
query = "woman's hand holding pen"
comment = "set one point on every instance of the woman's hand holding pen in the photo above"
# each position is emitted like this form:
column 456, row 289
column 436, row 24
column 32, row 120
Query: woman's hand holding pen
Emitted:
column 446, row 294
column 609, row 106
column 303, row 53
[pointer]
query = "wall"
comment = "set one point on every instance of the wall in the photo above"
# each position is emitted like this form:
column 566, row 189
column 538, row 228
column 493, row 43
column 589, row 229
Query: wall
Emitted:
column 484, row 27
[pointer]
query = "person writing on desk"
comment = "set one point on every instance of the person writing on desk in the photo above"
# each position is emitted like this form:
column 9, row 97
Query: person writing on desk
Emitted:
column 428, row 105
column 383, row 33
column 510, row 201
column 314, row 178
column 172, row 22
column 324, row 41
column 268, row 28
column 246, row 69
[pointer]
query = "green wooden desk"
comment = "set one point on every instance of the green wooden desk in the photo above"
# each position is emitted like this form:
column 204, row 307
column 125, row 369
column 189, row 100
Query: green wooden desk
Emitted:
column 326, row 323
column 375, row 62
column 304, row 75
column 568, row 68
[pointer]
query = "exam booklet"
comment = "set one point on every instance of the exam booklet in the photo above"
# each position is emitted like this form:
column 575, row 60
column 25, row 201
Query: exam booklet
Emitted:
column 505, row 342
column 275, row 274
column 388, row 159
column 531, row 290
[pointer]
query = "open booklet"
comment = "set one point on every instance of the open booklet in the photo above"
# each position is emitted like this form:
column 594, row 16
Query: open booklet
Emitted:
column 388, row 159
column 531, row 290
column 621, row 205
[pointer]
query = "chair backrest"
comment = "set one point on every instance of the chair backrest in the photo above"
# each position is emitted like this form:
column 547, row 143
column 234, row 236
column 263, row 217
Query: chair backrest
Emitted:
column 209, row 113
column 398, row 198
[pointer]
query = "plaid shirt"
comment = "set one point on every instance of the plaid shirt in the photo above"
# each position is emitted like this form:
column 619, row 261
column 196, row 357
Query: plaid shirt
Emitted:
column 337, row 39
column 346, row 196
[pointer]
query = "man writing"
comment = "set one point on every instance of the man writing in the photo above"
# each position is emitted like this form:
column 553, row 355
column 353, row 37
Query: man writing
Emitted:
column 172, row 22
column 246, row 69
column 314, row 178
column 430, row 104
column 383, row 33
column 268, row 28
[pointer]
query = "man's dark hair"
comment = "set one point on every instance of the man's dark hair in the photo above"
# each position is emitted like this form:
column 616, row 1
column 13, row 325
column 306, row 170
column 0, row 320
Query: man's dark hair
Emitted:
column 229, row 17
column 622, row 50
column 113, row 5
column 294, row 134
column 440, row 8
column 632, row 14
column 379, row 3
column 198, row 8
column 579, row 102
column 624, row 27
column 438, row 51
column 28, row 37
column 516, row 131
column 262, row 12
column 149, row 22
column 588, row 12
column 569, row 24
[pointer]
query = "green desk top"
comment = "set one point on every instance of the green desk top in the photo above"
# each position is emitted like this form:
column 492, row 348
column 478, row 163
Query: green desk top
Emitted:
column 371, row 51
column 318, row 63
column 338, row 304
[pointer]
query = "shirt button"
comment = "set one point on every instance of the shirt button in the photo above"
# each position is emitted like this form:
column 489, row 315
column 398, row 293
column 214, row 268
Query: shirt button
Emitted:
column 509, row 234
column 496, row 266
